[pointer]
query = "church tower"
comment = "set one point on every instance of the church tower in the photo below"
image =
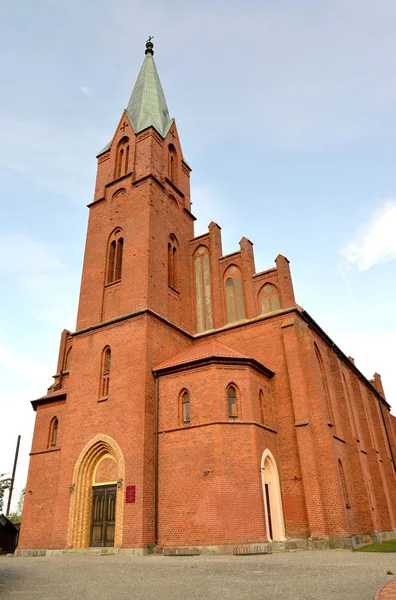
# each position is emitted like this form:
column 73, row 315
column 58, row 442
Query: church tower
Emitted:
column 140, row 222
column 97, row 423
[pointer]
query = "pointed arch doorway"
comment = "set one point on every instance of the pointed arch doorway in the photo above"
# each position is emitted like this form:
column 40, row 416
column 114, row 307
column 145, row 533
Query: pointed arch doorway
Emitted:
column 96, row 508
column 272, row 498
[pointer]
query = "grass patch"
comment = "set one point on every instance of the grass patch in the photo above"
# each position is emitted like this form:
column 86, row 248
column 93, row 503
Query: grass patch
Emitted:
column 387, row 546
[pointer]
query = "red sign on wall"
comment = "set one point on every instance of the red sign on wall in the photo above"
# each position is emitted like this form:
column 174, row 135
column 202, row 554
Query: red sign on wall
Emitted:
column 130, row 494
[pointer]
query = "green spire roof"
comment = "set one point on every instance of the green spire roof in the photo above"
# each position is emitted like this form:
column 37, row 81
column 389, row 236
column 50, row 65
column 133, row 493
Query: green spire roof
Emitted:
column 147, row 105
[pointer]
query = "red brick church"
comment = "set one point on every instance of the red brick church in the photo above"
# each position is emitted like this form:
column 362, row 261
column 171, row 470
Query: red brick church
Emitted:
column 196, row 404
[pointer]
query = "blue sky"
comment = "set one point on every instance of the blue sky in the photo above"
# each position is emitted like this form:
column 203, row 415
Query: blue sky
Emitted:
column 286, row 113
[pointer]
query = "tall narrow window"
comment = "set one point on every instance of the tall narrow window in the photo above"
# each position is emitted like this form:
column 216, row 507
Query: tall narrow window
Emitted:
column 343, row 484
column 111, row 263
column 118, row 261
column 268, row 298
column 114, row 259
column 172, row 168
column 53, row 433
column 105, row 377
column 122, row 158
column 173, row 263
column 234, row 294
column 203, row 289
column 232, row 403
column 351, row 409
column 186, row 408
column 325, row 386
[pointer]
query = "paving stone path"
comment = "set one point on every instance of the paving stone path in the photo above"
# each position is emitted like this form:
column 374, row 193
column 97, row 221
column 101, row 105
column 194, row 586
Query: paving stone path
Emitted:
column 303, row 575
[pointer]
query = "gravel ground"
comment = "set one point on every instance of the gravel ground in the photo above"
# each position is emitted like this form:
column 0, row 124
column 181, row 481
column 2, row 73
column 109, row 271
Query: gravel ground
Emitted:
column 307, row 575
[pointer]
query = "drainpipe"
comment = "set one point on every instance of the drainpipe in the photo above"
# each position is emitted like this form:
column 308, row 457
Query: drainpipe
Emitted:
column 156, row 464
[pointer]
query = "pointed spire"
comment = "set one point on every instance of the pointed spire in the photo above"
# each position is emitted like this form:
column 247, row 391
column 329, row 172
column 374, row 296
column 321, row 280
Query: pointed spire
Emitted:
column 147, row 105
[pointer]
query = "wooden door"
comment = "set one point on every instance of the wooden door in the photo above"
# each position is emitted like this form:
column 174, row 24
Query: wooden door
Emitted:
column 103, row 515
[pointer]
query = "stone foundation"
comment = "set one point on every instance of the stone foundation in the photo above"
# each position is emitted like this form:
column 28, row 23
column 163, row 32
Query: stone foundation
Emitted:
column 351, row 543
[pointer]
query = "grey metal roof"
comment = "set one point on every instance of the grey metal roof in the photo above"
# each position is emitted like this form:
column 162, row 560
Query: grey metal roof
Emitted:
column 147, row 105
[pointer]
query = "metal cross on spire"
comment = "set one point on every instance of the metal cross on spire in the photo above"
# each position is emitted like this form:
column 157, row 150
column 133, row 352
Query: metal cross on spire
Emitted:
column 150, row 45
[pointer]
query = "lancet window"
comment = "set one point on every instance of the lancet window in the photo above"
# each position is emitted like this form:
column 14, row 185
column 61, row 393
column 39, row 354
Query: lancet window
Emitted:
column 325, row 386
column 268, row 298
column 203, row 289
column 343, row 484
column 114, row 260
column 234, row 294
column 172, row 165
column 173, row 263
column 105, row 375
column 185, row 408
column 122, row 158
column 53, row 433
column 232, row 402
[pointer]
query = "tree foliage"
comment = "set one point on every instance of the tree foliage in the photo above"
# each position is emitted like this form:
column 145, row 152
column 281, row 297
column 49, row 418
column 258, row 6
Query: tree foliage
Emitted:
column 5, row 483
column 15, row 517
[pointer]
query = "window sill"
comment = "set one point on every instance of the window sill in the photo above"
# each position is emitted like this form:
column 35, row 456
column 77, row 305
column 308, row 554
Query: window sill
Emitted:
column 46, row 451
column 111, row 283
column 174, row 187
column 118, row 179
column 173, row 290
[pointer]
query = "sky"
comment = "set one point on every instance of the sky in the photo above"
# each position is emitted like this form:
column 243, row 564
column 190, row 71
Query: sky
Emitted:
column 286, row 114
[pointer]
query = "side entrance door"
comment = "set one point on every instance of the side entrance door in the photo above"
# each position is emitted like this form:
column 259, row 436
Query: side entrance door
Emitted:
column 103, row 515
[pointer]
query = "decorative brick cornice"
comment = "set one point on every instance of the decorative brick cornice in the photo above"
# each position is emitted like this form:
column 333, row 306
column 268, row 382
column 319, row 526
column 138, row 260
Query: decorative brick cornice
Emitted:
column 55, row 397
column 216, row 360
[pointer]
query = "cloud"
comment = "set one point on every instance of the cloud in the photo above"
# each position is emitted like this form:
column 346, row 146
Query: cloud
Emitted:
column 86, row 90
column 376, row 242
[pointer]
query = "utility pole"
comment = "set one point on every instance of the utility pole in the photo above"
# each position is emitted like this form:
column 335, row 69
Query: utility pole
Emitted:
column 13, row 476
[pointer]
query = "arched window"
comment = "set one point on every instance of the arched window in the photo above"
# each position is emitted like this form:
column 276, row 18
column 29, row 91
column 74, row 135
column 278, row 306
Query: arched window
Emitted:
column 173, row 263
column 203, row 292
column 324, row 385
column 114, row 260
column 234, row 294
column 122, row 158
column 68, row 360
column 268, row 298
column 105, row 375
column 172, row 165
column 232, row 403
column 343, row 484
column 53, row 433
column 186, row 408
